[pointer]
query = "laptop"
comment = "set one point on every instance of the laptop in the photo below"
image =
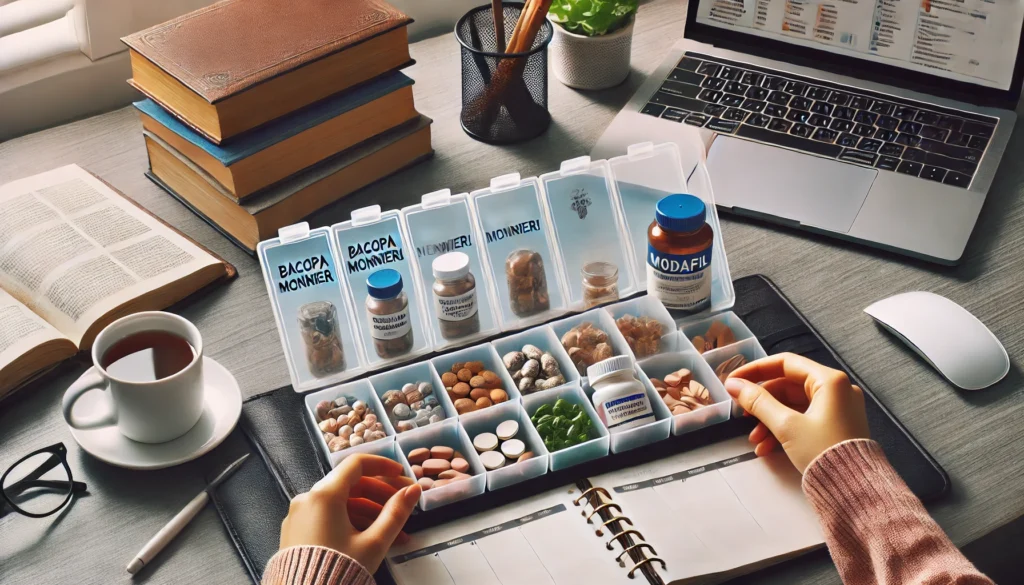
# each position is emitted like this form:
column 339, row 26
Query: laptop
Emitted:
column 880, row 122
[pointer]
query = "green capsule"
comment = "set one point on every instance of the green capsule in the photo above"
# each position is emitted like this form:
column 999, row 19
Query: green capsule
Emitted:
column 572, row 431
column 561, row 423
column 545, row 429
column 583, row 438
column 544, row 409
column 546, row 419
column 581, row 419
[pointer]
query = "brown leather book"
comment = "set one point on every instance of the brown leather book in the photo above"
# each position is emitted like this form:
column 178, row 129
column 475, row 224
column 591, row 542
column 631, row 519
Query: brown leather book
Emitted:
column 236, row 64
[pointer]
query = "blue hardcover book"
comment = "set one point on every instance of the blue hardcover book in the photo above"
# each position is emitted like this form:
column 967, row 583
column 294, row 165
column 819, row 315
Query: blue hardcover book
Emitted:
column 319, row 131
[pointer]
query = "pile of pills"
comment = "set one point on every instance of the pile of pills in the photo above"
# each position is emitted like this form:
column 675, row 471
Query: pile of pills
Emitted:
column 681, row 393
column 562, row 424
column 643, row 334
column 346, row 422
column 586, row 345
column 718, row 335
column 413, row 406
column 533, row 370
column 527, row 283
column 725, row 368
column 471, row 387
column 501, row 447
column 438, row 466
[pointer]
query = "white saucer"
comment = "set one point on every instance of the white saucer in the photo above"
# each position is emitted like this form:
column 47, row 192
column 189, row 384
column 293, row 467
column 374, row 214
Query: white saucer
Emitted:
column 220, row 414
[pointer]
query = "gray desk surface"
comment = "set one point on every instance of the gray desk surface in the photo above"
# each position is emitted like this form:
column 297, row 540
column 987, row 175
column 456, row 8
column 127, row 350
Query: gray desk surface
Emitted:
column 977, row 437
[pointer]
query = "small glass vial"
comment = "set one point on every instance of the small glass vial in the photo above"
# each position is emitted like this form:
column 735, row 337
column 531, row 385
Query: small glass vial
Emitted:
column 620, row 399
column 318, row 325
column 527, row 284
column 388, row 308
column 455, row 296
column 679, row 243
column 600, row 283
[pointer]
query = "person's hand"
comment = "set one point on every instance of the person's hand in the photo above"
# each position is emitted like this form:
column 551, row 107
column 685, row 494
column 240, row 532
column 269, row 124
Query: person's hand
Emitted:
column 358, row 509
column 801, row 404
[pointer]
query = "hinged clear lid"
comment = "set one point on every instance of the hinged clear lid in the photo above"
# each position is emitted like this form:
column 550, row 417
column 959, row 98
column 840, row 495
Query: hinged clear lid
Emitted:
column 313, row 309
column 642, row 177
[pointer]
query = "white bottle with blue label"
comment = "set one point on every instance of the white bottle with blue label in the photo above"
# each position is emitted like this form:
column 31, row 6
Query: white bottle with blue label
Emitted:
column 679, row 244
column 620, row 399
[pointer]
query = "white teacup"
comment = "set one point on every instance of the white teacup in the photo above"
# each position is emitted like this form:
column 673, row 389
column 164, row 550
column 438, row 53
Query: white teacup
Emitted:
column 145, row 411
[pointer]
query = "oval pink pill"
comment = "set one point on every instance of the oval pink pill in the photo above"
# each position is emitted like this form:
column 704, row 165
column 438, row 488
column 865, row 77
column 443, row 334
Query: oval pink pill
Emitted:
column 434, row 467
column 442, row 452
column 425, row 482
column 418, row 456
column 461, row 465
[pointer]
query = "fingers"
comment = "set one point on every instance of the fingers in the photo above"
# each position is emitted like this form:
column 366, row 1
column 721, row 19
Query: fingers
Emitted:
column 372, row 489
column 759, row 434
column 790, row 393
column 392, row 517
column 765, row 447
column 364, row 513
column 397, row 482
column 342, row 478
column 781, row 365
column 759, row 403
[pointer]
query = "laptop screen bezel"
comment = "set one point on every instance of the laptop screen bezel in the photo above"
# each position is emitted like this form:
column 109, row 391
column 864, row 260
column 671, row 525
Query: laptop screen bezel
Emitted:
column 858, row 68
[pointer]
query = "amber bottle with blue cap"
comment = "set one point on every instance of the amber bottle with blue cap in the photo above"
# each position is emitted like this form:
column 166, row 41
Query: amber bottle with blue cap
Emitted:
column 388, row 309
column 679, row 243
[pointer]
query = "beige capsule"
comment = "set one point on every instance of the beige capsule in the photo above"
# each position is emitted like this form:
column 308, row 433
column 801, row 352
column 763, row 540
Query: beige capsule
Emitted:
column 728, row 366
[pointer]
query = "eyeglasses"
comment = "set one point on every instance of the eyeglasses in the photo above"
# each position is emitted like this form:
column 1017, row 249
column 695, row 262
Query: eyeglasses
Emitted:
column 39, row 484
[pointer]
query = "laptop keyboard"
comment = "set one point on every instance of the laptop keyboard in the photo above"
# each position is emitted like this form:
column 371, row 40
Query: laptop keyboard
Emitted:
column 830, row 120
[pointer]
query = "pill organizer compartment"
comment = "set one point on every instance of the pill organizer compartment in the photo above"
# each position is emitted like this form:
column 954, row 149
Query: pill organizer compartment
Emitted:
column 373, row 240
column 360, row 390
column 509, row 217
column 487, row 421
column 587, row 224
column 663, row 364
column 645, row 175
column 751, row 350
column 312, row 275
column 544, row 338
column 601, row 319
column 447, row 434
column 595, row 448
column 442, row 223
column 699, row 326
column 648, row 306
column 388, row 449
column 646, row 434
column 418, row 372
column 485, row 353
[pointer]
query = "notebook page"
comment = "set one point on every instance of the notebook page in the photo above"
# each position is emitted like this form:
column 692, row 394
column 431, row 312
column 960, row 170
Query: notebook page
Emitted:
column 542, row 540
column 716, row 508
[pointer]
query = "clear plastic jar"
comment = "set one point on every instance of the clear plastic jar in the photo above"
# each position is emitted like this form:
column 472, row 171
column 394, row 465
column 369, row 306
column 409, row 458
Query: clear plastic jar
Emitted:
column 455, row 302
column 388, row 308
column 679, row 244
column 527, row 284
column 318, row 325
column 600, row 283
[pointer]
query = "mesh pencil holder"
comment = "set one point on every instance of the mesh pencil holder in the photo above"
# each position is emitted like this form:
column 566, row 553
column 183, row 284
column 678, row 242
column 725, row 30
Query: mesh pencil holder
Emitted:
column 504, row 95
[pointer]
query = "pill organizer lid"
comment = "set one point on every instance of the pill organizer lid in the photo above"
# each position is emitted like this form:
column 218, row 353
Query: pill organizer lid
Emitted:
column 609, row 366
column 450, row 266
column 384, row 284
column 681, row 213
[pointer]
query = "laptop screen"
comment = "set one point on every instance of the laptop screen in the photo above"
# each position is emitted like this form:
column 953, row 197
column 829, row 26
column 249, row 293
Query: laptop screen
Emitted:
column 971, row 41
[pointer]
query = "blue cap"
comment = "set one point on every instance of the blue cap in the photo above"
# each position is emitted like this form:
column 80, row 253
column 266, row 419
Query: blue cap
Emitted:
column 384, row 284
column 680, row 213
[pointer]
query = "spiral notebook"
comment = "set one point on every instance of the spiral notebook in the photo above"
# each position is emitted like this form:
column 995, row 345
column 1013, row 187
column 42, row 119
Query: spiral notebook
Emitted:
column 701, row 516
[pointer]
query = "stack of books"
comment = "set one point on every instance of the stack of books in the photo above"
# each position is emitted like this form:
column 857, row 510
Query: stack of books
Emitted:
column 260, row 112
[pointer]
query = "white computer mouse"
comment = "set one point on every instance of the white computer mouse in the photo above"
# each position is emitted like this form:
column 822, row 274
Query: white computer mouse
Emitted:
column 946, row 335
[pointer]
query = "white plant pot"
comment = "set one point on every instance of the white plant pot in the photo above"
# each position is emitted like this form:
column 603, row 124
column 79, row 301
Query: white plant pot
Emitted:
column 586, row 62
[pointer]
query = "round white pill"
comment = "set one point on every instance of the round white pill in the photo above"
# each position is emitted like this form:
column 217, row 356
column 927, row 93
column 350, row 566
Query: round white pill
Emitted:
column 513, row 448
column 492, row 459
column 507, row 430
column 485, row 442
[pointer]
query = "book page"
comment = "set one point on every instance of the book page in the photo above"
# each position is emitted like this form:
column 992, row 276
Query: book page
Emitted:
column 541, row 540
column 21, row 330
column 72, row 249
column 716, row 509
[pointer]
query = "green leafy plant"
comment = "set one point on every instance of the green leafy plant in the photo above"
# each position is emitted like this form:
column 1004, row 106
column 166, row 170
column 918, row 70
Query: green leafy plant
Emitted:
column 592, row 17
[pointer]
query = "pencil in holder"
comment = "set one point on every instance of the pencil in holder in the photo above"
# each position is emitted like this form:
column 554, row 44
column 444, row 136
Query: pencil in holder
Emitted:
column 504, row 94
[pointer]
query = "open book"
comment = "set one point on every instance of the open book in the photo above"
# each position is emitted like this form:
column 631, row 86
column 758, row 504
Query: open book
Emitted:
column 702, row 516
column 76, row 255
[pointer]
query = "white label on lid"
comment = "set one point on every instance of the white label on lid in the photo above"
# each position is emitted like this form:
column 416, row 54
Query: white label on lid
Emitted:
column 456, row 308
column 626, row 412
column 680, row 281
column 390, row 326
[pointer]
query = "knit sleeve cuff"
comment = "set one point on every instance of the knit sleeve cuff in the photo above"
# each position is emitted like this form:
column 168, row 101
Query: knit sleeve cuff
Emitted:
column 314, row 565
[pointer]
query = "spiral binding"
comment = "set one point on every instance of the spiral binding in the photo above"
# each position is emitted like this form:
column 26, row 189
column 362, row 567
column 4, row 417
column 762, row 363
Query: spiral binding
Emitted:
column 591, row 496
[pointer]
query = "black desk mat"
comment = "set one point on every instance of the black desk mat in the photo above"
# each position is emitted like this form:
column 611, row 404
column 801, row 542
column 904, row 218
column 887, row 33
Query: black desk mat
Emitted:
column 253, row 502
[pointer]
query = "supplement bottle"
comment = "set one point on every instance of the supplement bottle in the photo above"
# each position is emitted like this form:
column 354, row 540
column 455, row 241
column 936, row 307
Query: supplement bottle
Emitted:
column 388, row 309
column 620, row 399
column 679, row 243
column 600, row 283
column 455, row 296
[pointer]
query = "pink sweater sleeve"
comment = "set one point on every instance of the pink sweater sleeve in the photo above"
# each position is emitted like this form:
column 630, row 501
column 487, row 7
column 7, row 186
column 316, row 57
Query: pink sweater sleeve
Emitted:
column 314, row 565
column 876, row 529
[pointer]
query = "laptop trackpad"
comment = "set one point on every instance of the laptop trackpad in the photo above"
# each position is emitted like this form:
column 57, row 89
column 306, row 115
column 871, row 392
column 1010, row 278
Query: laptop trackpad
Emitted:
column 774, row 181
